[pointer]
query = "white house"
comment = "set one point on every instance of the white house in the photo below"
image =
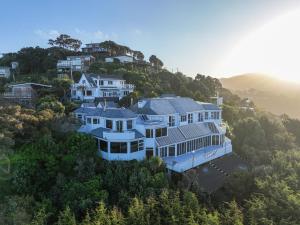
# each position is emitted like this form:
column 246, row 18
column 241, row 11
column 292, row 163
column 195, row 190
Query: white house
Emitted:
column 183, row 132
column 120, row 58
column 5, row 72
column 75, row 63
column 91, row 86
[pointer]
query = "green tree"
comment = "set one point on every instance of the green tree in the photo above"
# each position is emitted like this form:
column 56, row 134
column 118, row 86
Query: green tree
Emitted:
column 65, row 41
column 66, row 217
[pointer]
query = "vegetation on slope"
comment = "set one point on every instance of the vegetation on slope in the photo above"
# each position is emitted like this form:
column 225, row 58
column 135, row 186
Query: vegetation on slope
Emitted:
column 57, row 178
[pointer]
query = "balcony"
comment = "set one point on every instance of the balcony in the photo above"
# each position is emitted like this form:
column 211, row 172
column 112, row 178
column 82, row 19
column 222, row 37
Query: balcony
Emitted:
column 114, row 135
column 193, row 159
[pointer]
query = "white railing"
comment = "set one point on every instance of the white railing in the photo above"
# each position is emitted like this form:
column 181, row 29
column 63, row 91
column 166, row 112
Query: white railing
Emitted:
column 192, row 159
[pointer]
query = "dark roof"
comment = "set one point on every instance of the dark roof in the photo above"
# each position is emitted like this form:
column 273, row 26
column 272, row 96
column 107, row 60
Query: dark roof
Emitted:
column 88, row 104
column 118, row 113
column 99, row 132
column 168, row 105
column 90, row 80
column 184, row 133
column 107, row 113
column 84, row 110
column 209, row 106
column 105, row 76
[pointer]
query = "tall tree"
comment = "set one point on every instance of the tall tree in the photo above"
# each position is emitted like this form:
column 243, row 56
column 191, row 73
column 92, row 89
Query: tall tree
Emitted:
column 66, row 41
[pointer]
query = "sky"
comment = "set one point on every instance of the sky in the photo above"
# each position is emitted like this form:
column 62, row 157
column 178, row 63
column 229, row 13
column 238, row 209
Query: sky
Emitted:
column 191, row 36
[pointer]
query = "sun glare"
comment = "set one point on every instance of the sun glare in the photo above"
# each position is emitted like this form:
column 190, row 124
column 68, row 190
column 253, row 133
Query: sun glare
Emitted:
column 273, row 49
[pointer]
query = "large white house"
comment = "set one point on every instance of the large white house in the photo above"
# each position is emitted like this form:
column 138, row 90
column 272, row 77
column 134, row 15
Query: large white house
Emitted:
column 91, row 86
column 183, row 132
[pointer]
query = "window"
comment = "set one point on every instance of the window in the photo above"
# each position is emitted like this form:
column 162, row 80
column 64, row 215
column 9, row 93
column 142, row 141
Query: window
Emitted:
column 119, row 125
column 181, row 148
column 95, row 121
column 101, row 82
column 172, row 150
column 118, row 147
column 109, row 124
column 129, row 124
column 163, row 152
column 89, row 93
column 103, row 146
column 217, row 115
column 200, row 117
column 159, row 132
column 149, row 133
column 134, row 146
column 73, row 92
column 183, row 118
column 88, row 120
column 79, row 116
column 206, row 115
column 171, row 121
column 190, row 118
column 164, row 131
column 110, row 82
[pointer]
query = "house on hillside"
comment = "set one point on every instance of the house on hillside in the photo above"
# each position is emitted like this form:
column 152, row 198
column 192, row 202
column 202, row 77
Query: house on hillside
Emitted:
column 104, row 86
column 120, row 58
column 94, row 48
column 5, row 72
column 181, row 131
column 23, row 93
column 74, row 63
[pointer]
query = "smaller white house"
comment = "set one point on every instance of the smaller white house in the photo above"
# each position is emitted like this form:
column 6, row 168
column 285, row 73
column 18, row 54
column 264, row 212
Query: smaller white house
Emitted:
column 91, row 86
column 75, row 63
column 5, row 72
column 120, row 58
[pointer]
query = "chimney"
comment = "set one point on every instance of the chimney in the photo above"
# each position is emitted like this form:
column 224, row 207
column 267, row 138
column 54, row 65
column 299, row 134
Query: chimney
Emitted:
column 131, row 101
column 141, row 103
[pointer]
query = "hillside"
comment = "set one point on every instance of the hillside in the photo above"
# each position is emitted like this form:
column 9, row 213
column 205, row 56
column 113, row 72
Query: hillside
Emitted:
column 271, row 94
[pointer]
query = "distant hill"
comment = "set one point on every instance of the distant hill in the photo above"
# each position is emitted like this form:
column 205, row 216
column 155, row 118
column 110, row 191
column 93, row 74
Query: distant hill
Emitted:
column 268, row 93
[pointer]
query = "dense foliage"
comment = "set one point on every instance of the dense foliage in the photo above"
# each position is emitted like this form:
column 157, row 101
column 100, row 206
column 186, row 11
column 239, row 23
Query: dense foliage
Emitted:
column 56, row 176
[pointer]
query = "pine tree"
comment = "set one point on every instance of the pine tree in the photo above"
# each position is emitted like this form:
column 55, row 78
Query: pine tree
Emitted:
column 66, row 217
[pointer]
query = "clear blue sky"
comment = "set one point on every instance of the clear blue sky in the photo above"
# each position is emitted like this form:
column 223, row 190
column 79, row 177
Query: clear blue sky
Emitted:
column 191, row 35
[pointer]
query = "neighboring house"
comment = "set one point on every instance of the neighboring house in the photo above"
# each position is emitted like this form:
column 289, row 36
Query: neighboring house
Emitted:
column 74, row 63
column 5, row 72
column 120, row 58
column 24, row 93
column 94, row 48
column 181, row 131
column 92, row 86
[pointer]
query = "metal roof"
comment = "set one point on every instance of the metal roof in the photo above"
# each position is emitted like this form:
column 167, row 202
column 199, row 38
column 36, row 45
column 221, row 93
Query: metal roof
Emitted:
column 168, row 105
column 107, row 113
column 209, row 106
column 99, row 132
column 105, row 76
column 184, row 133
